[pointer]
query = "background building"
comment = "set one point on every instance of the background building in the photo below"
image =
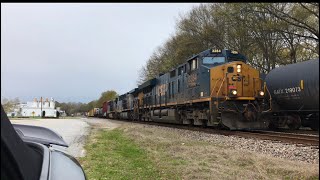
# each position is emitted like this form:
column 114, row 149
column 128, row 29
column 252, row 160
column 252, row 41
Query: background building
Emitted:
column 35, row 109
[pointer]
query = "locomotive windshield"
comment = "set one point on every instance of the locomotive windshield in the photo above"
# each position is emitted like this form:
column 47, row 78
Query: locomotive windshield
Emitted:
column 213, row 60
column 235, row 56
column 236, row 59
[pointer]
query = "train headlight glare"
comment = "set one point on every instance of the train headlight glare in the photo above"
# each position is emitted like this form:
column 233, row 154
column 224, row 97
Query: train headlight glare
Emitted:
column 234, row 92
column 239, row 68
column 261, row 93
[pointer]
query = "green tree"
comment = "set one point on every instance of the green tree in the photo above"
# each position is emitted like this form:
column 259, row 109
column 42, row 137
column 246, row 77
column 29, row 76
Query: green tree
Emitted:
column 91, row 105
column 304, row 16
column 106, row 96
column 269, row 34
column 72, row 107
column 9, row 104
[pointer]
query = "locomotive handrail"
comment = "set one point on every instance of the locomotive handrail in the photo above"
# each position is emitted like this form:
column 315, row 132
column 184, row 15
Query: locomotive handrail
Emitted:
column 220, row 87
column 270, row 98
column 254, row 86
column 219, row 91
column 214, row 86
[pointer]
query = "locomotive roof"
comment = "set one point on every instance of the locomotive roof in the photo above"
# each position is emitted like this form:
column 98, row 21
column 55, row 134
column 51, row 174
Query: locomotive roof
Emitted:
column 209, row 51
column 134, row 91
column 151, row 82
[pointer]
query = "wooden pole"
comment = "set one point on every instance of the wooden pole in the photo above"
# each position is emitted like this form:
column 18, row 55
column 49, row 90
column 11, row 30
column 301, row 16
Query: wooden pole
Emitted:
column 41, row 107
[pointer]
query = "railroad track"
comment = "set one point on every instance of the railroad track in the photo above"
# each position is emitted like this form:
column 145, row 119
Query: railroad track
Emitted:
column 299, row 131
column 291, row 138
column 301, row 139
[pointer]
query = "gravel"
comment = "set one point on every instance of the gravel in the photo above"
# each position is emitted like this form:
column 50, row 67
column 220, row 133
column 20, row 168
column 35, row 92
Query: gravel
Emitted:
column 293, row 152
column 73, row 131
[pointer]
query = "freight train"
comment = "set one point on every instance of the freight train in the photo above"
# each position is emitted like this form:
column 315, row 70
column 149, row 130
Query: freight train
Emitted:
column 294, row 91
column 218, row 88
column 212, row 88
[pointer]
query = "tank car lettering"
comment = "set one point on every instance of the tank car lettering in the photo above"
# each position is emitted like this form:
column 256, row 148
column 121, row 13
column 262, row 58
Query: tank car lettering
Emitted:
column 287, row 90
column 278, row 91
column 293, row 90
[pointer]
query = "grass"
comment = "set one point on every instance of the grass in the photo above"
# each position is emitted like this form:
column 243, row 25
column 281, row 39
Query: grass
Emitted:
column 142, row 152
column 193, row 159
column 111, row 155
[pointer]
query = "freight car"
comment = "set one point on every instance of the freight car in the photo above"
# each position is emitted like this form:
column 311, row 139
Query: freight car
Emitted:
column 93, row 112
column 212, row 88
column 294, row 91
column 104, row 109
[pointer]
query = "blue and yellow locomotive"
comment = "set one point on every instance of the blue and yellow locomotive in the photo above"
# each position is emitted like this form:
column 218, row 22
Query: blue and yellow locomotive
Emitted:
column 212, row 88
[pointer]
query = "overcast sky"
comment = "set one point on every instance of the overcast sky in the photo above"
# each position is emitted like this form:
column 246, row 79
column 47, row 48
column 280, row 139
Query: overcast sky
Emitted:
column 74, row 52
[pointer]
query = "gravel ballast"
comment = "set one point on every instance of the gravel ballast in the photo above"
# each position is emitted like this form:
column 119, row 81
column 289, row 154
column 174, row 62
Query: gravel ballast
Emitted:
column 309, row 154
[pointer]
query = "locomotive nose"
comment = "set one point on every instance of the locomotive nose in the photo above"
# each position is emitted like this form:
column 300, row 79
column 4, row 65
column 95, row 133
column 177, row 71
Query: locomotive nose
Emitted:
column 250, row 115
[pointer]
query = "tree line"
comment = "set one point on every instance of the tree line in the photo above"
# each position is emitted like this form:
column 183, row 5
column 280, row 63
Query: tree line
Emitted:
column 9, row 104
column 269, row 34
column 73, row 108
column 69, row 107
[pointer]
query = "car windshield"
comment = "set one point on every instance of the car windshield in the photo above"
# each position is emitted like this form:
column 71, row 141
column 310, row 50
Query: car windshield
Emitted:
column 213, row 60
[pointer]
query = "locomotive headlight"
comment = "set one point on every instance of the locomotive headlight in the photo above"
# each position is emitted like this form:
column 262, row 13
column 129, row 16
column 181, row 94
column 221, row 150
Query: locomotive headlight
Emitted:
column 234, row 92
column 261, row 93
column 239, row 68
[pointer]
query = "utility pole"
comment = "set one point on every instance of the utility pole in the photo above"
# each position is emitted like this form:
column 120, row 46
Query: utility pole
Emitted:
column 41, row 107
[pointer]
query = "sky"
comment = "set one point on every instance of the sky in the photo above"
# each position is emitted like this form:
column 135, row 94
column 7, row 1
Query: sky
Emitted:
column 74, row 52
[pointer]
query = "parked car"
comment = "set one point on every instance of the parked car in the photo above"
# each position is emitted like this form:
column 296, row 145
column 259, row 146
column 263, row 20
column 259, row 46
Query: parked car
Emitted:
column 31, row 153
